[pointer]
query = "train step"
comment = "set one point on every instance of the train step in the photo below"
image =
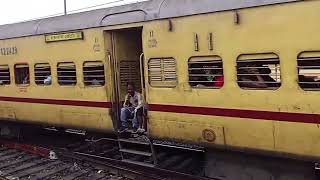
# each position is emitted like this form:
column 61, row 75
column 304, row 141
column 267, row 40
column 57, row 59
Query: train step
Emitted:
column 142, row 153
column 133, row 141
column 137, row 150
column 139, row 163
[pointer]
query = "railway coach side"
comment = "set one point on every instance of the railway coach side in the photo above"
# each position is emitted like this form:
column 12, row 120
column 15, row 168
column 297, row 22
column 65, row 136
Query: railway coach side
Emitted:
column 72, row 98
column 278, row 117
column 238, row 76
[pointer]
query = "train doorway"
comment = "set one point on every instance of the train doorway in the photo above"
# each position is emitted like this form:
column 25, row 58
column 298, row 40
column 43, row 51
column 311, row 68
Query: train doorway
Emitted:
column 124, row 48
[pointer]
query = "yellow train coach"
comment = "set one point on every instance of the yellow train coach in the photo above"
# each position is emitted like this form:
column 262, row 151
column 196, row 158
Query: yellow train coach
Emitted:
column 241, row 78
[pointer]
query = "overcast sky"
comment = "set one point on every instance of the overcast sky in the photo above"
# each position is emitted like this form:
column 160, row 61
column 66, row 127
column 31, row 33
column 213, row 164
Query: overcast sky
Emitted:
column 12, row 11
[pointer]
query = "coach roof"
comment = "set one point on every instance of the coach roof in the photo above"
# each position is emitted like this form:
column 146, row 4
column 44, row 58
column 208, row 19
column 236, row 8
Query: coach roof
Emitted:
column 138, row 12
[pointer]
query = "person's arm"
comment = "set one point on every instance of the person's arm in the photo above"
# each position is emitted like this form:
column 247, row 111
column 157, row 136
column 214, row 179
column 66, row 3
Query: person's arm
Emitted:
column 200, row 86
column 126, row 100
column 140, row 102
column 260, row 83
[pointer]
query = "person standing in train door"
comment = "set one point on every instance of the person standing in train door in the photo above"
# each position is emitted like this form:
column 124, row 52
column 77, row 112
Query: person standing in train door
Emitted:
column 132, row 108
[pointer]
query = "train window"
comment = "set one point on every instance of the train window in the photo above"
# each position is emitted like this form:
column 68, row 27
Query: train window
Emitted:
column 4, row 75
column 67, row 75
column 162, row 72
column 259, row 71
column 206, row 72
column 21, row 73
column 42, row 74
column 309, row 71
column 93, row 73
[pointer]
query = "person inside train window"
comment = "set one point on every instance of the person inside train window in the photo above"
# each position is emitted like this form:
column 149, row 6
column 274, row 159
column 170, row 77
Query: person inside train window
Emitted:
column 26, row 79
column 195, row 75
column 264, row 73
column 308, row 81
column 91, row 81
column 132, row 108
column 214, row 77
column 95, row 82
column 219, row 78
column 249, row 76
column 209, row 76
column 47, row 80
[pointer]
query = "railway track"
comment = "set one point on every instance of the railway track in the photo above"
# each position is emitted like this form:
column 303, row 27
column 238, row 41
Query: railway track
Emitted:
column 182, row 162
column 17, row 164
column 103, row 155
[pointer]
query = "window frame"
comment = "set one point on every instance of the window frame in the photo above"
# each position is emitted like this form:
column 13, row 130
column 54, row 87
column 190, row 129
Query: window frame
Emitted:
column 104, row 74
column 206, row 59
column 272, row 55
column 49, row 65
column 163, row 83
column 305, row 54
column 75, row 70
column 15, row 74
column 7, row 65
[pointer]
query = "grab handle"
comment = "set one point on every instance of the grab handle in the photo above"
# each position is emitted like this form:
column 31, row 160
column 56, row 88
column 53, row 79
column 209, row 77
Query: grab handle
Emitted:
column 142, row 76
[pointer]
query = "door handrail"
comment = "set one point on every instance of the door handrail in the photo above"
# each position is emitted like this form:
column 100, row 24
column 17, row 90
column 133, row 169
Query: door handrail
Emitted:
column 110, row 65
column 142, row 77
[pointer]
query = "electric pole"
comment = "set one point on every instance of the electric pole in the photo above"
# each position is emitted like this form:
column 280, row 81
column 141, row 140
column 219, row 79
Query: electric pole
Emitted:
column 65, row 7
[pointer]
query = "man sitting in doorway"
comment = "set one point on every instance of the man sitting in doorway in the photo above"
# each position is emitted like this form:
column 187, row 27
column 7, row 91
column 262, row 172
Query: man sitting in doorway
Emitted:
column 132, row 108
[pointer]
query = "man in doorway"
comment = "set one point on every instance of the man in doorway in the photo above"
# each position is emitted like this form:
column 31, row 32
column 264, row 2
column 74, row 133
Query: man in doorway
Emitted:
column 132, row 108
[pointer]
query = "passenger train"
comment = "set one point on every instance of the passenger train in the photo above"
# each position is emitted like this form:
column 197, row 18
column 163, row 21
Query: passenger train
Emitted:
column 241, row 78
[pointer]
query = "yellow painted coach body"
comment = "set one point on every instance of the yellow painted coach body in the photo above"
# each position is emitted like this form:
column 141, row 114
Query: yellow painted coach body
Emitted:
column 286, row 30
column 33, row 50
column 282, row 29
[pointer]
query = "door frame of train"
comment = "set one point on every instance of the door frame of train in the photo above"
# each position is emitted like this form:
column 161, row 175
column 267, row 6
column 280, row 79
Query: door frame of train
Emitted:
column 114, row 70
column 111, row 66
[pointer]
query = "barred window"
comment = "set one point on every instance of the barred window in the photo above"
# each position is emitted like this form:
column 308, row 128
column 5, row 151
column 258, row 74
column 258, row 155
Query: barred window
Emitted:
column 162, row 72
column 42, row 74
column 67, row 75
column 206, row 72
column 309, row 71
column 4, row 75
column 21, row 73
column 259, row 71
column 93, row 73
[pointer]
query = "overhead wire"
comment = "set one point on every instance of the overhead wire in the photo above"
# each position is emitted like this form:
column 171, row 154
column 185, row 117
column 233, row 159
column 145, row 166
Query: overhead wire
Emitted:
column 75, row 10
column 94, row 6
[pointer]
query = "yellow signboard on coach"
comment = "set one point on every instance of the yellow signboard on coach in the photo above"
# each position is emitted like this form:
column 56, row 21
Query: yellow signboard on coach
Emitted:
column 63, row 36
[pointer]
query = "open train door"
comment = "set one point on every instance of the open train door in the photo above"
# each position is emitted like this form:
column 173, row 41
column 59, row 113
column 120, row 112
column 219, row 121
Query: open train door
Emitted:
column 125, row 55
column 112, row 73
column 126, row 60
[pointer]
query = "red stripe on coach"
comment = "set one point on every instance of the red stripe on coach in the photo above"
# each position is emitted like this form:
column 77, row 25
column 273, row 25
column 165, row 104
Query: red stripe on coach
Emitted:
column 58, row 102
column 238, row 113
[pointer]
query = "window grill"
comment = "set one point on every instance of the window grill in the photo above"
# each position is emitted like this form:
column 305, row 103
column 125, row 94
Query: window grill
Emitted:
column 162, row 72
column 206, row 72
column 21, row 73
column 4, row 75
column 42, row 74
column 130, row 72
column 67, row 75
column 309, row 71
column 93, row 73
column 259, row 71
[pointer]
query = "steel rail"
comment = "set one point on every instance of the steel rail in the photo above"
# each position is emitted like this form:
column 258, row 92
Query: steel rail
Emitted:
column 142, row 171
column 105, row 162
